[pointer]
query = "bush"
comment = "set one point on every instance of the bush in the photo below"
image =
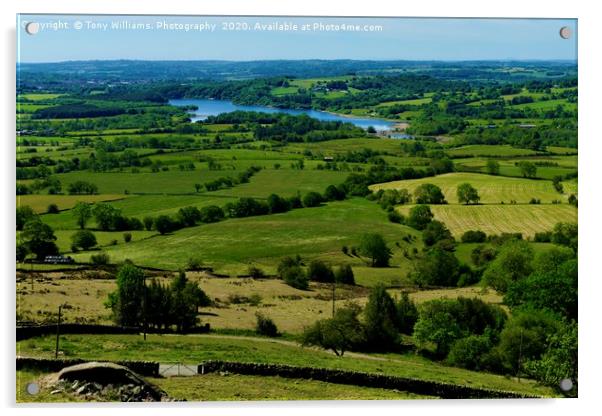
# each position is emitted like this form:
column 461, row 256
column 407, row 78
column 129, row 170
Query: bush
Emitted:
column 99, row 259
column 380, row 320
column 255, row 272
column 419, row 217
column 407, row 314
column 312, row 199
column 83, row 239
column 469, row 352
column 148, row 223
column 474, row 237
column 295, row 277
column 194, row 263
column 127, row 237
column 320, row 272
column 265, row 326
column 395, row 217
column 344, row 275
column 52, row 209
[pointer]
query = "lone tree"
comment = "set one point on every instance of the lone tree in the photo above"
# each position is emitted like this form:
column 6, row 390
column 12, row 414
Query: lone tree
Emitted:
column 527, row 169
column 127, row 301
column 493, row 167
column 83, row 239
column 105, row 215
column 339, row 334
column 39, row 239
column 375, row 247
column 467, row 194
column 82, row 213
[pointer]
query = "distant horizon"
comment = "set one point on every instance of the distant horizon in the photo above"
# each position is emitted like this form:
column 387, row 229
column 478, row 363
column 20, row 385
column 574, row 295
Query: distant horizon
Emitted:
column 567, row 60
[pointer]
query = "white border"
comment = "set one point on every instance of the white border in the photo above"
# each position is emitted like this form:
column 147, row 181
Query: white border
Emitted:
column 589, row 217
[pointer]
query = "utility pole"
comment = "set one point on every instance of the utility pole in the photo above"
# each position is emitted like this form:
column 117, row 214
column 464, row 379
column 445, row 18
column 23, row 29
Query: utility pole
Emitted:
column 520, row 354
column 144, row 309
column 58, row 331
column 333, row 296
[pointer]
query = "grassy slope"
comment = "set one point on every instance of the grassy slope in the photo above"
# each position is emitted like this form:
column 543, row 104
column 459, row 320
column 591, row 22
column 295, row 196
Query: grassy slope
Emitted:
column 195, row 349
column 233, row 244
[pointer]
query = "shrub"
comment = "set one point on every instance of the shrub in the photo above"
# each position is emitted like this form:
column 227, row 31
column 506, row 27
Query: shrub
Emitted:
column 395, row 217
column 148, row 223
column 469, row 352
column 295, row 277
column 312, row 199
column 194, row 263
column 419, row 217
column 83, row 239
column 265, row 326
column 99, row 259
column 320, row 272
column 434, row 232
column 52, row 209
column 407, row 314
column 255, row 272
column 474, row 237
column 375, row 247
column 482, row 255
column 127, row 237
column 344, row 275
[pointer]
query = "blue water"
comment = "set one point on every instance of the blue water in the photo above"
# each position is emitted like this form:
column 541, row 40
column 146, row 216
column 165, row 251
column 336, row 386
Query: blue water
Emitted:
column 208, row 108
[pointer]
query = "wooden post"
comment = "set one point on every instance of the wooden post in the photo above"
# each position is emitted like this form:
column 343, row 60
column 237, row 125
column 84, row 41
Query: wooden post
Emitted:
column 58, row 331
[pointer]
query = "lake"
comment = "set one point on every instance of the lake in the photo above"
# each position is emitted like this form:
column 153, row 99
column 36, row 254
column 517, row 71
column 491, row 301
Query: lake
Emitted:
column 206, row 108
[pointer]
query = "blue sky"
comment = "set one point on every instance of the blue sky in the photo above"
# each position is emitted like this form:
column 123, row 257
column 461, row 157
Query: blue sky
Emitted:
column 400, row 38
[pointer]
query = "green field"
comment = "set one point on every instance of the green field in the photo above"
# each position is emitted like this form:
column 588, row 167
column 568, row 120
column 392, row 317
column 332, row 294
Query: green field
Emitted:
column 40, row 202
column 195, row 349
column 476, row 150
column 231, row 245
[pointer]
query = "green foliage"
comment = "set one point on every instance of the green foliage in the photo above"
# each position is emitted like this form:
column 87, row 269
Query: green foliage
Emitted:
column 24, row 214
column 428, row 193
column 437, row 267
column 82, row 212
column 395, row 217
column 295, row 277
column 375, row 247
column 165, row 224
column 82, row 188
column 148, row 223
column 470, row 352
column 312, row 199
column 187, row 216
column 566, row 234
column 559, row 361
column 99, row 259
column 194, row 263
column 105, row 215
column 52, row 209
column 467, row 194
column 265, row 326
column 344, row 275
column 441, row 322
column 512, row 263
column 435, row 232
column 553, row 285
column 527, row 169
column 407, row 314
column 341, row 333
column 320, row 272
column 127, row 237
column 525, row 338
column 39, row 239
column 277, row 204
column 471, row 236
column 419, row 217
column 493, row 167
column 126, row 302
column 83, row 239
column 380, row 320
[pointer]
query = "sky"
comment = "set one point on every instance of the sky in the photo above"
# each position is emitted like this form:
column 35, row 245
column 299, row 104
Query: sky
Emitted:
column 104, row 37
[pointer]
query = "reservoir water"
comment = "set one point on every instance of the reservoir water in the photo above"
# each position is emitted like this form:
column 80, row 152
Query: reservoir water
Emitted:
column 206, row 108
